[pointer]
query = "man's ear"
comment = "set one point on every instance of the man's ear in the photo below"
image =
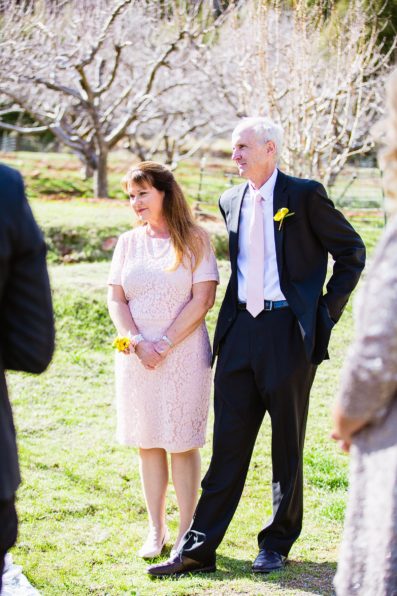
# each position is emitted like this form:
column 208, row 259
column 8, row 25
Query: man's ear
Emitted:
column 271, row 148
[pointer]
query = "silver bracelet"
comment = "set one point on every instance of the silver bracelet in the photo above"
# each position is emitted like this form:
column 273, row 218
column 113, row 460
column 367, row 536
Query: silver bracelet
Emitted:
column 167, row 340
column 136, row 339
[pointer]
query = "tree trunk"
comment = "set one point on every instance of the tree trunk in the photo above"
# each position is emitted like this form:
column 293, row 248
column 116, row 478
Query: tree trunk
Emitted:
column 87, row 171
column 101, row 176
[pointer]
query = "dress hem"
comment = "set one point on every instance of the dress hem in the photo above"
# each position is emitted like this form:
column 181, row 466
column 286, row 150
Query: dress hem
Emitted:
column 166, row 448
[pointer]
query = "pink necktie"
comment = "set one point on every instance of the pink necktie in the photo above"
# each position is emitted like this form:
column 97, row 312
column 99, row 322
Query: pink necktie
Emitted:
column 255, row 259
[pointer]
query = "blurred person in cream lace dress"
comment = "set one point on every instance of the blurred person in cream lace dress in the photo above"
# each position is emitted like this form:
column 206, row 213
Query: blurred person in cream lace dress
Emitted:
column 162, row 282
column 365, row 413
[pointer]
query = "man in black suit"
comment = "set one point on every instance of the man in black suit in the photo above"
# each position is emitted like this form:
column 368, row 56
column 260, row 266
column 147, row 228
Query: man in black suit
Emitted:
column 269, row 341
column 26, row 327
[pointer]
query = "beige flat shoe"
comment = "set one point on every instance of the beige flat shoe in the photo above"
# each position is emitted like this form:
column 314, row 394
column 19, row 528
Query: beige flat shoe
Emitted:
column 153, row 544
column 175, row 550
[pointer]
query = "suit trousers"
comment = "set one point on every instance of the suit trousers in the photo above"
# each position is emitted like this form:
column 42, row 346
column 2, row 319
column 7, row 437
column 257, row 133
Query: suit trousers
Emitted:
column 262, row 367
column 8, row 530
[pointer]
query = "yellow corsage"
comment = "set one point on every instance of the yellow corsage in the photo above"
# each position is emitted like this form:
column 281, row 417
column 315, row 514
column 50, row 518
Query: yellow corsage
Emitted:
column 281, row 215
column 121, row 343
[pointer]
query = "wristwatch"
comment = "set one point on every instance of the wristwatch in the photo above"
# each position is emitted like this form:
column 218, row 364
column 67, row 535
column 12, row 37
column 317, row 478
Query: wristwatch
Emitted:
column 167, row 341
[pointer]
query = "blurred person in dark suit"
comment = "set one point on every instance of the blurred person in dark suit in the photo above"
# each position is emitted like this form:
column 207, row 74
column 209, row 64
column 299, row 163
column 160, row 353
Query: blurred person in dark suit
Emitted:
column 26, row 328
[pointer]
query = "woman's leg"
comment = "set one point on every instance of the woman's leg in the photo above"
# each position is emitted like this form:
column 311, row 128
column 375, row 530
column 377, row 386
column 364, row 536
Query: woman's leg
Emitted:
column 186, row 473
column 154, row 476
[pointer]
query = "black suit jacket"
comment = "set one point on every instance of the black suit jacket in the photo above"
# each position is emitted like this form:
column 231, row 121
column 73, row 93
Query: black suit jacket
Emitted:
column 302, row 246
column 26, row 317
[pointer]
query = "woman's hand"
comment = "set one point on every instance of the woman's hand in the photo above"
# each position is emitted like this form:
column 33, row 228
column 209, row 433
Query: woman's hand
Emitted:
column 162, row 348
column 146, row 353
column 345, row 427
column 344, row 444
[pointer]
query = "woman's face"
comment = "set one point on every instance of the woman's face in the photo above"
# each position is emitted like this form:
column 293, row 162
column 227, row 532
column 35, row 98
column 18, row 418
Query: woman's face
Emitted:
column 146, row 201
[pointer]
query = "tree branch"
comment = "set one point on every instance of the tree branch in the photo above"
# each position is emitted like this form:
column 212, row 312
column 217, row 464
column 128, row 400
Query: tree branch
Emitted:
column 23, row 129
column 103, row 36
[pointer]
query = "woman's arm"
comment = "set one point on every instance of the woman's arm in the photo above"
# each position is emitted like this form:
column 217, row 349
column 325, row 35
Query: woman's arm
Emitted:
column 191, row 316
column 119, row 311
column 369, row 376
column 121, row 316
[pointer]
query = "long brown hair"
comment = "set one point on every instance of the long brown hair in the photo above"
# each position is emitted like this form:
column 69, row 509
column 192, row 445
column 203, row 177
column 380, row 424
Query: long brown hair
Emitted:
column 188, row 238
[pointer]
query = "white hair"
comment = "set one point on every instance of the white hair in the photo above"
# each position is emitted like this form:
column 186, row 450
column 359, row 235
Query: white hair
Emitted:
column 265, row 130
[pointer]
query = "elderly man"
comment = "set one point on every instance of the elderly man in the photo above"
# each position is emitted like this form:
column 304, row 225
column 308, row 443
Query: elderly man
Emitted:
column 26, row 327
column 273, row 329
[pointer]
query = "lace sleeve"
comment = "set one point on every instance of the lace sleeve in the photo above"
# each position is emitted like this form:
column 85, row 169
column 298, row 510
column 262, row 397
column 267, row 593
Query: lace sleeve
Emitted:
column 369, row 377
column 117, row 263
column 207, row 269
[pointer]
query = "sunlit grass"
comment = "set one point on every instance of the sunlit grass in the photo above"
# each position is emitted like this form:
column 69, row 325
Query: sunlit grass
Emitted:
column 81, row 509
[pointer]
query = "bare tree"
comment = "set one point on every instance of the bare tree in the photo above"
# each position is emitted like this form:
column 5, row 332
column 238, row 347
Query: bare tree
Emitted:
column 321, row 77
column 169, row 75
column 185, row 119
column 93, row 71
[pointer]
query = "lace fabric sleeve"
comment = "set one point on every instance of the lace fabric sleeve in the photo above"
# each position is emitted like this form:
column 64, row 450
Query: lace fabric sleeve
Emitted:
column 116, row 267
column 369, row 376
column 207, row 269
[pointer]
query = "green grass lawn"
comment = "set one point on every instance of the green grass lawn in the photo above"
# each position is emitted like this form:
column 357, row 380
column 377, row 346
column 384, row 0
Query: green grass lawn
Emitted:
column 80, row 505
column 79, row 228
column 81, row 508
column 58, row 176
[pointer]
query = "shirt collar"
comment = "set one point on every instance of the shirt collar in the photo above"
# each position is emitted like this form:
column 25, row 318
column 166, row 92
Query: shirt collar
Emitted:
column 267, row 189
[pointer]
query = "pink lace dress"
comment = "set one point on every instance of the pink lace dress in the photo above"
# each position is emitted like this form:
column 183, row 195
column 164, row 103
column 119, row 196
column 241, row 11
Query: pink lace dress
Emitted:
column 166, row 407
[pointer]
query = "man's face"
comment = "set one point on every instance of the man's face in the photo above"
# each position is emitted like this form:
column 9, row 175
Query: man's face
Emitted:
column 252, row 156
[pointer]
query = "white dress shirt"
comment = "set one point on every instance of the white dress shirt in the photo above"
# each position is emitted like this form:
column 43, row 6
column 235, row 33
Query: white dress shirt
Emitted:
column 271, row 289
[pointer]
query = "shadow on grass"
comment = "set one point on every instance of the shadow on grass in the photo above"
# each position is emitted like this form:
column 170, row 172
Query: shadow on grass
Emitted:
column 305, row 576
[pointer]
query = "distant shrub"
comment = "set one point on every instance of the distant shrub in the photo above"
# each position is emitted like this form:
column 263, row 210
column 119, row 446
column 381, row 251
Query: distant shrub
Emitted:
column 220, row 243
column 82, row 321
column 81, row 244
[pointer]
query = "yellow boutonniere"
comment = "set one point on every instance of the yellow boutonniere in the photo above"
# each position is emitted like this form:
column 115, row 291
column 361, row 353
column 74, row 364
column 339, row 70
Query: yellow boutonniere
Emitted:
column 281, row 214
column 121, row 343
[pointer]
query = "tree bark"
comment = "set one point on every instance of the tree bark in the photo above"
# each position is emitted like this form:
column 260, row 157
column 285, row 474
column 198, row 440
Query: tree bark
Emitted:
column 101, row 176
column 87, row 171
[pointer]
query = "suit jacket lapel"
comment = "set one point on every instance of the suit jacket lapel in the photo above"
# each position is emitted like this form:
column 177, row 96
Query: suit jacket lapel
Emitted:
column 280, row 200
column 234, row 223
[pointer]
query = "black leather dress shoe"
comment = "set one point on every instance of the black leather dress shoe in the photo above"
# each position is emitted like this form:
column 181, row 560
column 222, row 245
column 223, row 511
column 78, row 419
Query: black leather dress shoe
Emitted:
column 268, row 561
column 180, row 564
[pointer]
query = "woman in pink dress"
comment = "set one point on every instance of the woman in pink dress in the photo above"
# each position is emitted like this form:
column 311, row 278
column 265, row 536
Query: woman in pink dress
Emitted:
column 162, row 282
